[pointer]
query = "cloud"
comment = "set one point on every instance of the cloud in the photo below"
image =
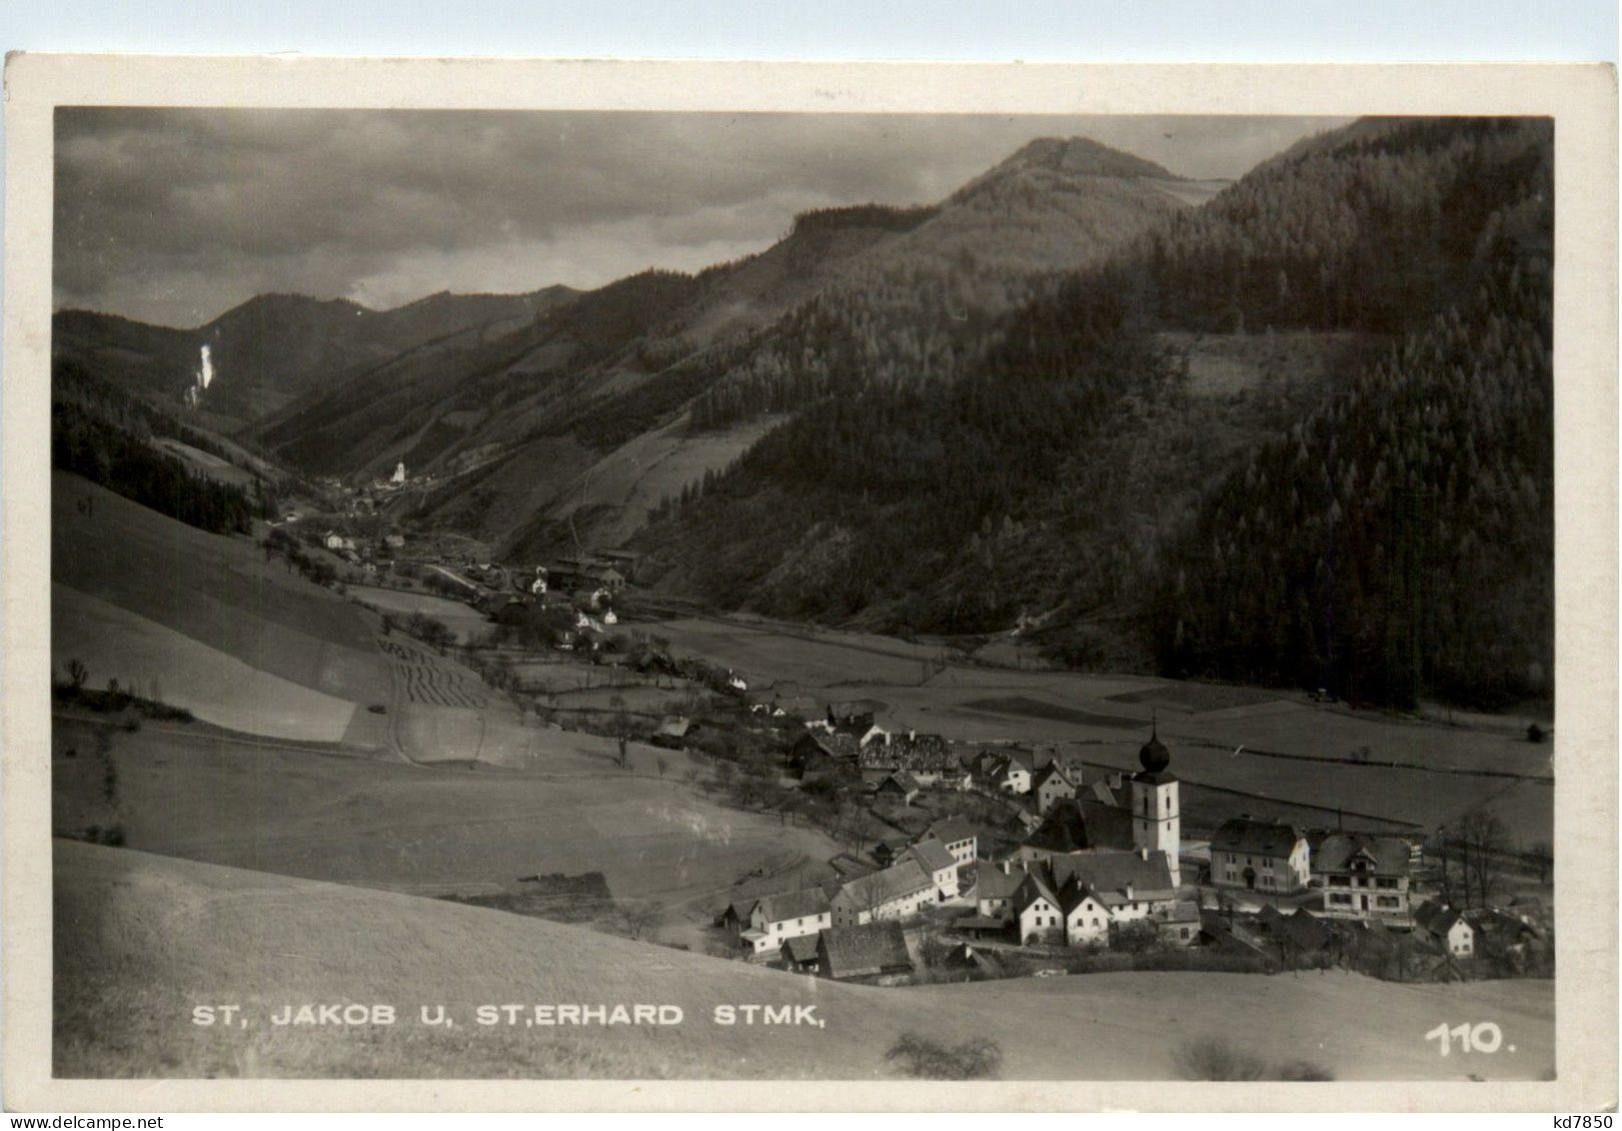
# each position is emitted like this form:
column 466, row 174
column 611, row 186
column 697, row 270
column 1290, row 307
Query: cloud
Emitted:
column 174, row 215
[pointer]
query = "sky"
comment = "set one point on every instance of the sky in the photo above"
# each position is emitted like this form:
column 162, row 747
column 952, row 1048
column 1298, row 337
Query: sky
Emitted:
column 173, row 216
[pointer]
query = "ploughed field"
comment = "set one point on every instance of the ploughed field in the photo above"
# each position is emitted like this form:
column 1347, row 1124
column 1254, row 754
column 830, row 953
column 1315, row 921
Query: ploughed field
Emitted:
column 142, row 940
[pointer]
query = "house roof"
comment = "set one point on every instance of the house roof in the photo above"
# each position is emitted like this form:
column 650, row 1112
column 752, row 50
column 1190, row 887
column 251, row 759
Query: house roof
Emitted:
column 1049, row 773
column 1258, row 838
column 1183, row 911
column 674, row 727
column 794, row 905
column 904, row 780
column 1437, row 918
column 801, row 948
column 742, row 908
column 994, row 883
column 951, row 830
column 871, row 946
column 849, row 866
column 1020, row 759
column 1063, row 829
column 1109, row 873
column 1033, row 887
column 932, row 855
column 1101, row 792
column 895, row 882
column 1388, row 855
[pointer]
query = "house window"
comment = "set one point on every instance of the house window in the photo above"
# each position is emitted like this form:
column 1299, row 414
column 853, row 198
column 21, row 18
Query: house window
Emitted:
column 1385, row 901
column 1183, row 933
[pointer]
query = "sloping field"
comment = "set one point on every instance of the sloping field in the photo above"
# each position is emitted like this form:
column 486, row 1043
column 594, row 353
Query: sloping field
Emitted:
column 433, row 830
column 813, row 658
column 114, row 643
column 220, row 592
column 464, row 620
column 140, row 940
column 205, row 462
column 637, row 476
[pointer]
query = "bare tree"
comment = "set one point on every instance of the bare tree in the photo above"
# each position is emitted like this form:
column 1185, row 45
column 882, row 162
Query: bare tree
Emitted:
column 663, row 764
column 1542, row 856
column 1485, row 838
column 620, row 725
column 77, row 673
column 642, row 918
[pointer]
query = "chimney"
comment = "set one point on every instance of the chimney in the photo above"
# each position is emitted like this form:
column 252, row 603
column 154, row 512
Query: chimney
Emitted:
column 1129, row 890
column 1143, row 854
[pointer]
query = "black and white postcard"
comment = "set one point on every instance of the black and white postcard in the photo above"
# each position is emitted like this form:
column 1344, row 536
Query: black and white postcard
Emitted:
column 548, row 584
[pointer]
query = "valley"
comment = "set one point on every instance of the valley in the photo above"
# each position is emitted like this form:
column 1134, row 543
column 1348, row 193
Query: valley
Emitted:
column 541, row 647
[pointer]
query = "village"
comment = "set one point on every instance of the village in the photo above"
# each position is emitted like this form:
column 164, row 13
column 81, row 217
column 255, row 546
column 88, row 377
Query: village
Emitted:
column 972, row 861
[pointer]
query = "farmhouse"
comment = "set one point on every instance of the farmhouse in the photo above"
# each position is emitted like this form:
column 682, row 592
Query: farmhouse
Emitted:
column 1447, row 928
column 672, row 732
column 1255, row 855
column 1050, row 785
column 800, row 953
column 1015, row 772
column 869, row 951
column 957, row 835
column 736, row 917
column 899, row 890
column 1365, row 877
column 899, row 784
column 932, row 857
column 778, row 918
column 1130, row 885
column 994, row 890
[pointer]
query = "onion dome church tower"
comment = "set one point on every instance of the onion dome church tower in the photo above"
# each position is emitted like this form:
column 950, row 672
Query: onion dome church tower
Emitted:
column 1156, row 823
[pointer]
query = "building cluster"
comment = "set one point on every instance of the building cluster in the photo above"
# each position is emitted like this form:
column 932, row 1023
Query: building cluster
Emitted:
column 1092, row 863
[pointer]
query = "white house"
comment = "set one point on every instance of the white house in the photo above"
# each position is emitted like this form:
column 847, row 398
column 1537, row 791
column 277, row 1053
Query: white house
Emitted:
column 1015, row 776
column 1447, row 928
column 1365, row 877
column 778, row 918
column 1051, row 784
column 994, row 891
column 894, row 893
column 1266, row 856
column 957, row 835
column 931, row 855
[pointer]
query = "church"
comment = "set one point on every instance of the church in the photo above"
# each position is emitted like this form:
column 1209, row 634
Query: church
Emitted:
column 1140, row 814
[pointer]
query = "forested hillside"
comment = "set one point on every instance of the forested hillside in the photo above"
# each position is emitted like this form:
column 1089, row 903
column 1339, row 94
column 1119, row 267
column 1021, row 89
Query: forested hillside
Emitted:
column 1380, row 528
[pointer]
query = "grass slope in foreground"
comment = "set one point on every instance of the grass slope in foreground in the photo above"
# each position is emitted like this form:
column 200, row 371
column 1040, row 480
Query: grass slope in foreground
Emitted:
column 141, row 939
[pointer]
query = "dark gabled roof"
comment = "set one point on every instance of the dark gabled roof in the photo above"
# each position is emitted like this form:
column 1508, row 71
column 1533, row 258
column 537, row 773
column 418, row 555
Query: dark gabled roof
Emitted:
column 794, row 905
column 850, row 867
column 1063, row 829
column 951, row 830
column 903, row 781
column 742, row 908
column 871, row 946
column 1438, row 918
column 1258, row 838
column 1018, row 758
column 1109, row 873
column 932, row 855
column 1049, row 772
column 895, row 882
column 1389, row 854
column 1101, row 793
column 1032, row 887
column 994, row 883
column 801, row 948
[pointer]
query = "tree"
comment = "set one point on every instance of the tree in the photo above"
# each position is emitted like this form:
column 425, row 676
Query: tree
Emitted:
column 77, row 673
column 1541, row 855
column 620, row 727
column 642, row 918
column 1485, row 839
column 662, row 764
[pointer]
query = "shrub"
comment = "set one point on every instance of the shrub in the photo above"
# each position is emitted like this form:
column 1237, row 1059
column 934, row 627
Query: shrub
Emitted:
column 1216, row 1058
column 979, row 1058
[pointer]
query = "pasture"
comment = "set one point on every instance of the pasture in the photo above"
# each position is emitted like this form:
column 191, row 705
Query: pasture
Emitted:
column 152, row 659
column 206, row 463
column 141, row 939
column 467, row 622
column 219, row 592
column 434, row 830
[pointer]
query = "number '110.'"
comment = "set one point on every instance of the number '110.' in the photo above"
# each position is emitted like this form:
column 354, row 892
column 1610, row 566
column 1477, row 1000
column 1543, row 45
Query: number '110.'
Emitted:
column 1485, row 1037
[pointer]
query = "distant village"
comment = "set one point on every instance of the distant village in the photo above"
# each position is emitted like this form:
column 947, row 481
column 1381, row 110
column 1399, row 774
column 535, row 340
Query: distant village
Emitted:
column 1079, row 868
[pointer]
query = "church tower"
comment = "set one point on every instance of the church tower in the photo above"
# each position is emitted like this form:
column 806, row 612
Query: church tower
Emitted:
column 1156, row 822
